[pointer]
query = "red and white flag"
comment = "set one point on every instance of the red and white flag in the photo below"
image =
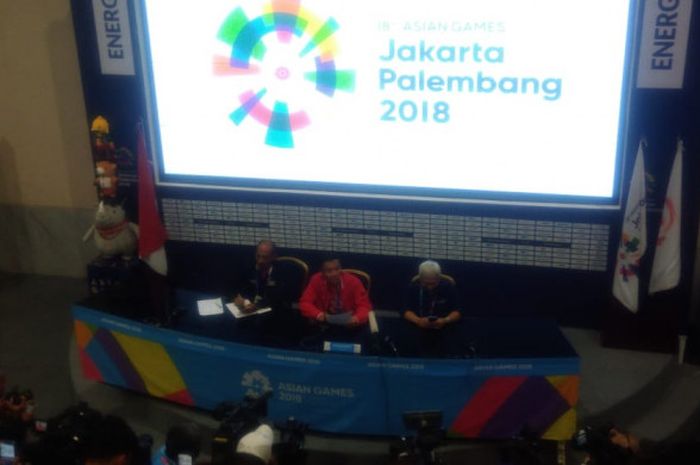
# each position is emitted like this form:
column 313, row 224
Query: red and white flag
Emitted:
column 633, row 243
column 152, row 234
column 666, row 270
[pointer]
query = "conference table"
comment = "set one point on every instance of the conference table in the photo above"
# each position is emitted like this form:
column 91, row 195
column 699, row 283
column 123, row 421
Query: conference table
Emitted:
column 519, row 376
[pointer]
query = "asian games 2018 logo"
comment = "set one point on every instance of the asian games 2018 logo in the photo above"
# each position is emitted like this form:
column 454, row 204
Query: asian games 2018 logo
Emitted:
column 256, row 383
column 301, row 41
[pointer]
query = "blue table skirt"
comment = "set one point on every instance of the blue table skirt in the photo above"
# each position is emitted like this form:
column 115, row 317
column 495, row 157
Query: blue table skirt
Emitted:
column 492, row 396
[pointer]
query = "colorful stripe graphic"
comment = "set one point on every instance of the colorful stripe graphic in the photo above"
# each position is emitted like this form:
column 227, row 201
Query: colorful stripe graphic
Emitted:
column 232, row 28
column 279, row 121
column 504, row 406
column 279, row 131
column 134, row 363
column 327, row 30
column 222, row 67
column 288, row 19
column 328, row 79
column 250, row 102
column 290, row 7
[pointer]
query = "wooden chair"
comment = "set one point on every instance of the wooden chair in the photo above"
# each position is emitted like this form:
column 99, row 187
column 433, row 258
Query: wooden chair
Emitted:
column 443, row 277
column 363, row 276
column 301, row 265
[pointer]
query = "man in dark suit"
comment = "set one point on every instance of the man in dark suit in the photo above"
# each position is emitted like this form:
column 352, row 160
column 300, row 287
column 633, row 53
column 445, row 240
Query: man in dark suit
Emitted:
column 431, row 313
column 270, row 284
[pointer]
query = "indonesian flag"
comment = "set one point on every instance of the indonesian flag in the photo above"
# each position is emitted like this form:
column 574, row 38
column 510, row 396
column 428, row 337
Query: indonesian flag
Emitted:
column 152, row 234
column 633, row 242
column 666, row 271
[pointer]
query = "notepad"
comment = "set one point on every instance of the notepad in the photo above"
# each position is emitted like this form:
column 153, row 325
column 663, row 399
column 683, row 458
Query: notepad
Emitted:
column 339, row 319
column 236, row 312
column 209, row 307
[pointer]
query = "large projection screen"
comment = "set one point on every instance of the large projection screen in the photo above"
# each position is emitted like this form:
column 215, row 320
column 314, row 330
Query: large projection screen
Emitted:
column 474, row 100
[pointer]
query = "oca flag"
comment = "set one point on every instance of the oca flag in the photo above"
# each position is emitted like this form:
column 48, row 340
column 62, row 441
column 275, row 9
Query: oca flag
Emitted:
column 666, row 271
column 633, row 242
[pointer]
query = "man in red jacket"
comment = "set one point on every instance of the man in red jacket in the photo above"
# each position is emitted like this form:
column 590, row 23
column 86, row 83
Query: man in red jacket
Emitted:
column 333, row 292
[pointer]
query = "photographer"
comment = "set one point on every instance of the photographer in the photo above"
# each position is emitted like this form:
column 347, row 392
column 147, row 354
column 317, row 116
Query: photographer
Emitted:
column 16, row 412
column 111, row 442
column 80, row 435
column 183, row 443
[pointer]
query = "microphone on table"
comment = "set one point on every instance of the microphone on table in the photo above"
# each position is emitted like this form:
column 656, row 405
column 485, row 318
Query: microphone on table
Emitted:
column 373, row 326
column 376, row 342
column 380, row 345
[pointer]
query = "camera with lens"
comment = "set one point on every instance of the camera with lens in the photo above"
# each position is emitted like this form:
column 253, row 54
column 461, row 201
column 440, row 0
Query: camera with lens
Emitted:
column 420, row 449
column 236, row 419
column 64, row 437
column 290, row 450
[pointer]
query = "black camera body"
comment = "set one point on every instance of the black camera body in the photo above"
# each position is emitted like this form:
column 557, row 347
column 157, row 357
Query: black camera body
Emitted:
column 290, row 448
column 64, row 439
column 429, row 434
column 237, row 419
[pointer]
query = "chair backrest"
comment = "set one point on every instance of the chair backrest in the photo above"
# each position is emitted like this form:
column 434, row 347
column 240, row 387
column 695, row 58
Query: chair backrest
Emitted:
column 301, row 266
column 362, row 275
column 443, row 277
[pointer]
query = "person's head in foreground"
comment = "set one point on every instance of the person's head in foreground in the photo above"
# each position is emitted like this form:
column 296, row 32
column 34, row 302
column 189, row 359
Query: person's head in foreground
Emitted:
column 331, row 270
column 429, row 273
column 255, row 448
column 185, row 439
column 265, row 254
column 111, row 442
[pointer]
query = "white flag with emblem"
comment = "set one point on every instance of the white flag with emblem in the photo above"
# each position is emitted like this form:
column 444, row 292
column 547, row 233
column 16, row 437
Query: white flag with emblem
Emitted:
column 666, row 271
column 633, row 242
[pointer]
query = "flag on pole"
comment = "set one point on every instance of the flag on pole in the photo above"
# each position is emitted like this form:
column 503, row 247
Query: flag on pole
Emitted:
column 633, row 242
column 152, row 234
column 666, row 270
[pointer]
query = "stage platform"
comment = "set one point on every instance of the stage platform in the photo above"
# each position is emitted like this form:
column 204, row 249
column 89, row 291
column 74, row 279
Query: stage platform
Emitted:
column 522, row 376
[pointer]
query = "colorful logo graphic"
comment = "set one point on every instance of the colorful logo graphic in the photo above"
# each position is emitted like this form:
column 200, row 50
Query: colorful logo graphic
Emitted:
column 290, row 21
column 630, row 255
